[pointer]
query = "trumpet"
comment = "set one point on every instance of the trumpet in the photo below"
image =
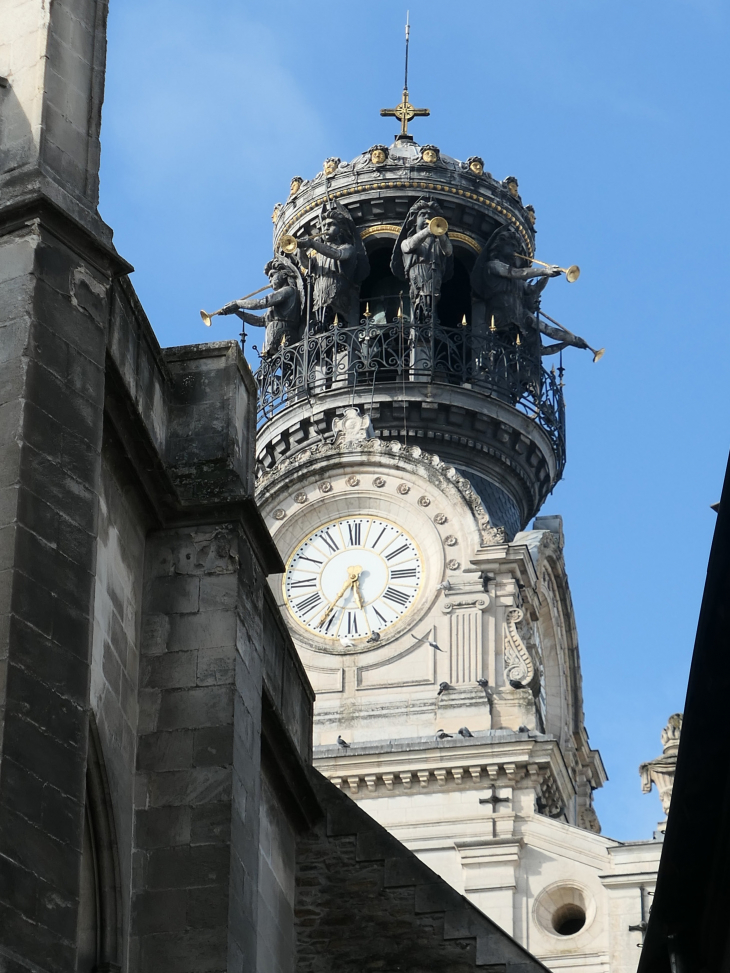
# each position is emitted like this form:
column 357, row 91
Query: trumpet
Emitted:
column 290, row 244
column 572, row 273
column 206, row 316
column 438, row 226
column 597, row 353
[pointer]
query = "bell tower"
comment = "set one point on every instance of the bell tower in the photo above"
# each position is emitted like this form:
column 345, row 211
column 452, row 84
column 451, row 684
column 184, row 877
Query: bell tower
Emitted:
column 408, row 434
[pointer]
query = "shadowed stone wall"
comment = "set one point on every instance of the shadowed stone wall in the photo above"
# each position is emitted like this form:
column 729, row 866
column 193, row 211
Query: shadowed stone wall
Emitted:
column 155, row 719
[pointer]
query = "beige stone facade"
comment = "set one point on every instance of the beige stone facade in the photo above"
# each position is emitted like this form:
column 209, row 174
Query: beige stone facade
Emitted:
column 503, row 810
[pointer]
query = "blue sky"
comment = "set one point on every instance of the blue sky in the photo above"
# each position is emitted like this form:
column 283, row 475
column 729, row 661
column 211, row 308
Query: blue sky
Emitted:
column 613, row 115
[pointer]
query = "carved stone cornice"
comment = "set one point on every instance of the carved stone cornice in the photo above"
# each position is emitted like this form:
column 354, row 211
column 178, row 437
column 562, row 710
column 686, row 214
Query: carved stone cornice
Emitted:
column 499, row 759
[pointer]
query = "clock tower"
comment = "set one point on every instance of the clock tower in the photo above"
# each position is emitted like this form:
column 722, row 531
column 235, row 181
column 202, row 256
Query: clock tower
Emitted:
column 409, row 433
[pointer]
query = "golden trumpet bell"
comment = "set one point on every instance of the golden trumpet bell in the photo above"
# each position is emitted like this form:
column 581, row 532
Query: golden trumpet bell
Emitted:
column 438, row 226
column 599, row 354
column 572, row 273
column 206, row 318
column 288, row 243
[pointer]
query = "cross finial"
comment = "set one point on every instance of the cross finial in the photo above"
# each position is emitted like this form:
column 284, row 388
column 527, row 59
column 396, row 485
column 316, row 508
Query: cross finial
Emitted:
column 405, row 112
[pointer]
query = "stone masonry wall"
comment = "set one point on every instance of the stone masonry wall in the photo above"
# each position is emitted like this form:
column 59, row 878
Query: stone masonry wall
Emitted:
column 52, row 350
column 366, row 903
column 198, row 757
column 115, row 651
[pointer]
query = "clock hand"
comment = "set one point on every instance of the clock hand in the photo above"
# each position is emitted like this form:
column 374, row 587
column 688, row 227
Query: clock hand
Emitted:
column 331, row 607
column 358, row 596
column 353, row 574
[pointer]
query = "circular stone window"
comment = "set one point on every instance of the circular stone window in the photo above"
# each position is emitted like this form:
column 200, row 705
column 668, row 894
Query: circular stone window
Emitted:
column 563, row 910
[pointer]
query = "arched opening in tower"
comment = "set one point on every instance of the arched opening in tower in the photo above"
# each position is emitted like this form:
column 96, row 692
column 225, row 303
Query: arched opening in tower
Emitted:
column 455, row 303
column 381, row 292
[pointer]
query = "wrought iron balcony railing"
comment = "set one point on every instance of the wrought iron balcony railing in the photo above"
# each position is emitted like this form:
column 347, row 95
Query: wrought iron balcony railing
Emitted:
column 399, row 352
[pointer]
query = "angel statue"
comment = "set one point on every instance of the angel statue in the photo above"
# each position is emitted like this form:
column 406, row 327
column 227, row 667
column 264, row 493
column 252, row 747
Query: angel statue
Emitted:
column 504, row 280
column 283, row 306
column 337, row 267
column 422, row 258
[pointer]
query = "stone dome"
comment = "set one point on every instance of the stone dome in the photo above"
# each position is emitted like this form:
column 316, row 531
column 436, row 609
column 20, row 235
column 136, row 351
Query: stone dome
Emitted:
column 378, row 195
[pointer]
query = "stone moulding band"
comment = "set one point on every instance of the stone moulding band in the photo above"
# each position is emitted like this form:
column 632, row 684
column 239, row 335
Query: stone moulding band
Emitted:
column 392, row 229
column 411, row 184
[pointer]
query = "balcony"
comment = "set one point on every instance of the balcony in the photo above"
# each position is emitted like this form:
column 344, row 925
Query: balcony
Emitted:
column 397, row 352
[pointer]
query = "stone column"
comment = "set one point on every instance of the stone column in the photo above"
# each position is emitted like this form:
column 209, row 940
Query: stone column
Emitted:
column 53, row 310
column 197, row 803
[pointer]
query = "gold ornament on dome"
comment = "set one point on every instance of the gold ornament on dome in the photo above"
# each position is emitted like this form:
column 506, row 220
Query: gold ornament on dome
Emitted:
column 378, row 155
column 405, row 112
column 296, row 185
column 430, row 154
column 275, row 215
column 330, row 166
column 476, row 165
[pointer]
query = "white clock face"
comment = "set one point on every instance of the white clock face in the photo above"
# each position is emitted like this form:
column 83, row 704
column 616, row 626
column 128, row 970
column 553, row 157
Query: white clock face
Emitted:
column 352, row 578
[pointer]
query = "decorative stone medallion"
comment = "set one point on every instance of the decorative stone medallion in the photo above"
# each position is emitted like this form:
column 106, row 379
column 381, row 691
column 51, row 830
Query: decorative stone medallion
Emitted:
column 379, row 481
column 424, row 502
column 403, row 488
column 450, row 540
column 352, row 480
column 440, row 519
column 301, row 498
column 452, row 565
column 279, row 513
column 326, row 487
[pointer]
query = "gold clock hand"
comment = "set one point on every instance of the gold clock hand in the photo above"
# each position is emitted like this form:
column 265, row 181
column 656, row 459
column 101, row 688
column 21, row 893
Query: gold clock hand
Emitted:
column 353, row 574
column 358, row 596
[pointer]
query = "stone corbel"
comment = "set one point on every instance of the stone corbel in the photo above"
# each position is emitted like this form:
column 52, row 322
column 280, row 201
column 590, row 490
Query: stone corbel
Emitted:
column 518, row 664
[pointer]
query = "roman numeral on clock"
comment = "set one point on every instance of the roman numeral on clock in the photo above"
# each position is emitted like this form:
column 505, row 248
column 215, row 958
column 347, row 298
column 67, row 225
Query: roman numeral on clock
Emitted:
column 353, row 533
column 305, row 583
column 327, row 538
column 403, row 573
column 398, row 597
column 352, row 623
column 311, row 601
column 396, row 552
column 377, row 539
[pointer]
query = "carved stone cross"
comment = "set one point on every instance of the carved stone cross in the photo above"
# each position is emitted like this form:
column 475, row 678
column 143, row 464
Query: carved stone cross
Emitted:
column 405, row 112
column 493, row 800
